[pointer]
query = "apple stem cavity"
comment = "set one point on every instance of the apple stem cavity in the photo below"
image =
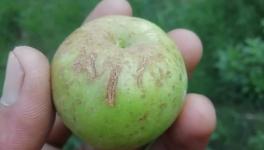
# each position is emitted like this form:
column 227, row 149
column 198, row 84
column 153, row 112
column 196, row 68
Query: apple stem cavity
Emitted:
column 122, row 43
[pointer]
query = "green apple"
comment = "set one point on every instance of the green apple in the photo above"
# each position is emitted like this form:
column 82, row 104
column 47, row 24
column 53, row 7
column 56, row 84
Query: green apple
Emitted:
column 118, row 82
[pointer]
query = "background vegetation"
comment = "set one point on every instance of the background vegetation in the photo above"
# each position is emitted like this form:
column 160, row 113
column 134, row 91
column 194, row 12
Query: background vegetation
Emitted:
column 231, row 72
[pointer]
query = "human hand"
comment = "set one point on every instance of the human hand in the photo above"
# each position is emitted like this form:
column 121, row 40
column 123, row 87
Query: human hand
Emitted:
column 27, row 116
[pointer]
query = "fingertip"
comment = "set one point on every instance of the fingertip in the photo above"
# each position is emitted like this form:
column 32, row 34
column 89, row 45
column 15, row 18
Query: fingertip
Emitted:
column 200, row 112
column 190, row 46
column 195, row 124
column 32, row 55
column 32, row 113
column 110, row 7
column 27, row 68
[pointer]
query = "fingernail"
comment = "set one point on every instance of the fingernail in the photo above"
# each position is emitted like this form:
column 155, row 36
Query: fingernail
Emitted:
column 13, row 80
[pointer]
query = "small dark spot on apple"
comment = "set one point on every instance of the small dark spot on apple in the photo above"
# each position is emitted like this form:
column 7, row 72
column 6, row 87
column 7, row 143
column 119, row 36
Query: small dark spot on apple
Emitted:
column 180, row 77
column 131, row 134
column 158, row 83
column 144, row 117
column 74, row 118
column 131, row 113
column 168, row 74
column 78, row 102
column 143, row 96
column 176, row 97
column 142, row 128
column 163, row 105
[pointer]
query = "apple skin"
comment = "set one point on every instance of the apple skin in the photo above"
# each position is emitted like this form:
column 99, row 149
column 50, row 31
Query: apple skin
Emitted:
column 118, row 82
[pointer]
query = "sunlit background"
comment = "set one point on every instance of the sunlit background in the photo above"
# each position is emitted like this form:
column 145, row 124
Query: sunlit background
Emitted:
column 231, row 73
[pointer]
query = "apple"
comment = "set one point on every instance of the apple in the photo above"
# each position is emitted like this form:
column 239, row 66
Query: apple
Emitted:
column 118, row 82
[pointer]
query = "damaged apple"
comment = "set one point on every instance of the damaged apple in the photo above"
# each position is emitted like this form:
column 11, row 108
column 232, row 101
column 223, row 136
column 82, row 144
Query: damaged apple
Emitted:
column 118, row 82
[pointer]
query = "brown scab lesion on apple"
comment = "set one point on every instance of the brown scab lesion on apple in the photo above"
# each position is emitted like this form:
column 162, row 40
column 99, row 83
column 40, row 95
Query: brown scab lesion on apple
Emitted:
column 86, row 63
column 140, row 72
column 158, row 77
column 112, row 85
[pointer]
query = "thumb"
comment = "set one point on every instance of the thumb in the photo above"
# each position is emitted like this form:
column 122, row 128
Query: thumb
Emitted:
column 26, row 112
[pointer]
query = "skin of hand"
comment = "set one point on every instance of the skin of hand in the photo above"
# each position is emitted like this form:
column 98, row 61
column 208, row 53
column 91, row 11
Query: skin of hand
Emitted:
column 28, row 120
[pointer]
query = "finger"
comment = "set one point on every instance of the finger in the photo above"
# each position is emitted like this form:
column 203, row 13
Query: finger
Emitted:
column 49, row 147
column 190, row 46
column 26, row 112
column 193, row 128
column 110, row 7
column 59, row 133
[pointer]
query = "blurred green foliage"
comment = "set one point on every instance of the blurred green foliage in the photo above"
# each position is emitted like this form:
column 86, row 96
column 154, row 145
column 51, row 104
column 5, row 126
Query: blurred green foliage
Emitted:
column 241, row 69
column 231, row 71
